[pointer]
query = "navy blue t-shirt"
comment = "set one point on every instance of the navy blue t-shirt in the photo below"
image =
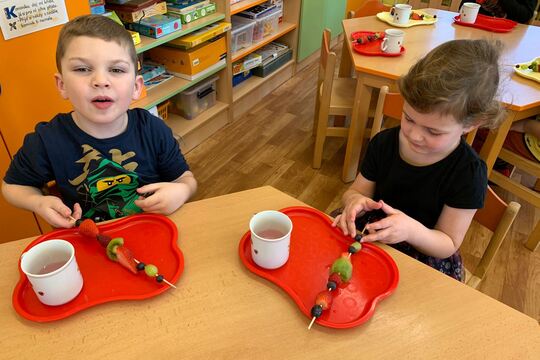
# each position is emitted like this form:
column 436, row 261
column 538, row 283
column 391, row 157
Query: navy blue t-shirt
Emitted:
column 100, row 174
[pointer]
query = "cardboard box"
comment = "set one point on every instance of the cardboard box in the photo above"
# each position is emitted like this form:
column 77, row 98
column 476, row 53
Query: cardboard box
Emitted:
column 198, row 37
column 193, row 13
column 156, row 26
column 190, row 61
column 132, row 15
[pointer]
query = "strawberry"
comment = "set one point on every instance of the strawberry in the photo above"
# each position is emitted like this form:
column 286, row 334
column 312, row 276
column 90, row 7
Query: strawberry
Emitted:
column 125, row 257
column 324, row 299
column 335, row 278
column 88, row 227
column 416, row 16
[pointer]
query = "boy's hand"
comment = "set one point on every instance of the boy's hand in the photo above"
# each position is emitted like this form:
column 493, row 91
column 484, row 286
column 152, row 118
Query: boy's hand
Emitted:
column 394, row 228
column 165, row 198
column 56, row 213
column 357, row 205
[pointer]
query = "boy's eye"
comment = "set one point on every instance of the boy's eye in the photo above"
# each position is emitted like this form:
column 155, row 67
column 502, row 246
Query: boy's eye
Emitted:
column 431, row 132
column 81, row 69
column 118, row 70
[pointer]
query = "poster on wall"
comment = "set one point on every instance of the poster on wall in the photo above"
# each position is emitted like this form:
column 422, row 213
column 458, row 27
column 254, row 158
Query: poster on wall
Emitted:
column 21, row 17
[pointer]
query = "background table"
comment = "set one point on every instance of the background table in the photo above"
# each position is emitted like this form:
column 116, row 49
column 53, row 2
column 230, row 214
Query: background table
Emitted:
column 521, row 96
column 222, row 311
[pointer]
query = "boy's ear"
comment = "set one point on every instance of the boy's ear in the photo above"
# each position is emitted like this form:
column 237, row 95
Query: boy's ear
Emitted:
column 60, row 85
column 137, row 89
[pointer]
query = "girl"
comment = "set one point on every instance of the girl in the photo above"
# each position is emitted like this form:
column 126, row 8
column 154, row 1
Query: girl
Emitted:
column 422, row 174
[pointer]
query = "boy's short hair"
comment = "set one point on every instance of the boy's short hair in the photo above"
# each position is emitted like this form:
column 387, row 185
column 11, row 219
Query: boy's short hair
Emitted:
column 458, row 78
column 94, row 26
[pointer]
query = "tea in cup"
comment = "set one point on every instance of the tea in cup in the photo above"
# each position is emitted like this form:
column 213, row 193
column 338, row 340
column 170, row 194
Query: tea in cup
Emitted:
column 270, row 238
column 52, row 269
column 469, row 12
column 392, row 42
column 401, row 13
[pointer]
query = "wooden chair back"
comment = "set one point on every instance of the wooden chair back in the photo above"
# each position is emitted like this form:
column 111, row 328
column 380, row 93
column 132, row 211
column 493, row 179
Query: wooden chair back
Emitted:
column 327, row 67
column 496, row 215
column 368, row 8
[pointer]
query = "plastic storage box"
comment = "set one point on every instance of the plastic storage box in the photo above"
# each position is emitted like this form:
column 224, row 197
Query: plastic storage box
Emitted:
column 276, row 63
column 266, row 25
column 242, row 32
column 193, row 101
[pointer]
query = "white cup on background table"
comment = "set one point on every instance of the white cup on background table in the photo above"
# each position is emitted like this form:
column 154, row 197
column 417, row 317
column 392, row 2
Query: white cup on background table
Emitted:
column 469, row 12
column 401, row 13
column 270, row 238
column 393, row 41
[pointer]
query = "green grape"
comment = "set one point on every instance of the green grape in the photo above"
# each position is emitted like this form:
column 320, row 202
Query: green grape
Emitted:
column 151, row 270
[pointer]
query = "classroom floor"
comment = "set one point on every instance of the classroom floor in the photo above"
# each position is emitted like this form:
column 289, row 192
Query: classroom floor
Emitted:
column 273, row 145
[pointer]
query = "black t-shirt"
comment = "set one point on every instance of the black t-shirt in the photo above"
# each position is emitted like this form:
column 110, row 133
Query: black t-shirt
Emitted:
column 459, row 180
column 100, row 174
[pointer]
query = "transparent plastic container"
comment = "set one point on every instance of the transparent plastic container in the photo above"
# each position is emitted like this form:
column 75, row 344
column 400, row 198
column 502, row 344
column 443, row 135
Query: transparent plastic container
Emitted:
column 193, row 101
column 266, row 25
column 242, row 33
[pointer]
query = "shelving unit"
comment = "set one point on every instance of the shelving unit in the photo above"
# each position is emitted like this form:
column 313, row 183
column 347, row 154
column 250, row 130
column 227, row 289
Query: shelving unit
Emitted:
column 190, row 133
column 256, row 87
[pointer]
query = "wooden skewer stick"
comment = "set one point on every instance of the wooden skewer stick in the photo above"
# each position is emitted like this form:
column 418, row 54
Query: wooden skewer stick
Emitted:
column 164, row 280
column 72, row 218
column 311, row 323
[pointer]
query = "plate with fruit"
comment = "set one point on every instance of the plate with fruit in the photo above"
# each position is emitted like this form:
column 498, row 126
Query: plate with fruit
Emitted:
column 369, row 43
column 134, row 258
column 334, row 280
column 417, row 17
column 529, row 70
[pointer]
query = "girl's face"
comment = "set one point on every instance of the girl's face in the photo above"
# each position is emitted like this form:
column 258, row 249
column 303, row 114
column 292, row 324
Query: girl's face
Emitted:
column 428, row 138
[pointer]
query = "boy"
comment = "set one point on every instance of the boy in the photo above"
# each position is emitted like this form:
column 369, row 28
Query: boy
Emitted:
column 107, row 161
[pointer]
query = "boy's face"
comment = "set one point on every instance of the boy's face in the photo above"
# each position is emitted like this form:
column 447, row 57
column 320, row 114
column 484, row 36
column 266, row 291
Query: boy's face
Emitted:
column 98, row 78
column 429, row 136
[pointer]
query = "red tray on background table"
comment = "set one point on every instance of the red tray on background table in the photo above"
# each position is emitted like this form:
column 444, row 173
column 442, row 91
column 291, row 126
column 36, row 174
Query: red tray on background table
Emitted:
column 489, row 23
column 151, row 238
column 372, row 48
column 315, row 244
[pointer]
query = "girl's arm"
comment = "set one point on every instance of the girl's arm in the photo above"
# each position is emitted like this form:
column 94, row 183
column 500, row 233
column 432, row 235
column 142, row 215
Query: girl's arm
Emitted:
column 356, row 200
column 441, row 242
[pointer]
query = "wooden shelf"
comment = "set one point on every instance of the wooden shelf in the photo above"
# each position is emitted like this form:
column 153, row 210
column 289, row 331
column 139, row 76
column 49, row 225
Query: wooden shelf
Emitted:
column 244, row 5
column 254, row 82
column 168, row 89
column 283, row 29
column 181, row 126
column 148, row 43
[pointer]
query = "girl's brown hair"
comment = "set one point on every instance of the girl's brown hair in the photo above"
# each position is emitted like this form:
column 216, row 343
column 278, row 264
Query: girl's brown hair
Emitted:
column 94, row 26
column 458, row 78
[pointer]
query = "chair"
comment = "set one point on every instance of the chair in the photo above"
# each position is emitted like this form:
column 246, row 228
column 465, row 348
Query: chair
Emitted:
column 521, row 191
column 496, row 215
column 334, row 97
column 368, row 8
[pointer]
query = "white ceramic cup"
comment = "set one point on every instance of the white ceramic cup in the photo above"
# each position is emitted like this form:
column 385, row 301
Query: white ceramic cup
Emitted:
column 469, row 12
column 270, row 238
column 401, row 13
column 393, row 40
column 52, row 270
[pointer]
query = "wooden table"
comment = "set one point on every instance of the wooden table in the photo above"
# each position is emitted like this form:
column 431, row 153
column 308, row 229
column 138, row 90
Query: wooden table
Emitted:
column 521, row 96
column 222, row 311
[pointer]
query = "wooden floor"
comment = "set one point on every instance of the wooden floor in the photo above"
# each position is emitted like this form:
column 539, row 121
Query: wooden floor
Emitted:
column 273, row 145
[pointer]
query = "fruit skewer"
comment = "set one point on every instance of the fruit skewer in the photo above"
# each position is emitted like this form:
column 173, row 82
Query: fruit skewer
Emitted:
column 116, row 251
column 340, row 272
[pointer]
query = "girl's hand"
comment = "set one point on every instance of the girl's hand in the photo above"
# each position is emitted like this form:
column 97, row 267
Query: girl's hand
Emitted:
column 394, row 228
column 56, row 213
column 165, row 198
column 357, row 205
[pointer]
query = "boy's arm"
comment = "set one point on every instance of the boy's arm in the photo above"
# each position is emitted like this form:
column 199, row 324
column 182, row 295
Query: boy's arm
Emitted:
column 50, row 208
column 167, row 197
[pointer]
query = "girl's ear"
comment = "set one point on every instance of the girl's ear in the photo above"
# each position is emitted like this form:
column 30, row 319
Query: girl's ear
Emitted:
column 137, row 89
column 60, row 85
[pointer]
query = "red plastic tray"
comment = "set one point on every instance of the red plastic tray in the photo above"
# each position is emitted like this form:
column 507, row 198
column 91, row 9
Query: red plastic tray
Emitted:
column 372, row 48
column 151, row 238
column 315, row 244
column 489, row 23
